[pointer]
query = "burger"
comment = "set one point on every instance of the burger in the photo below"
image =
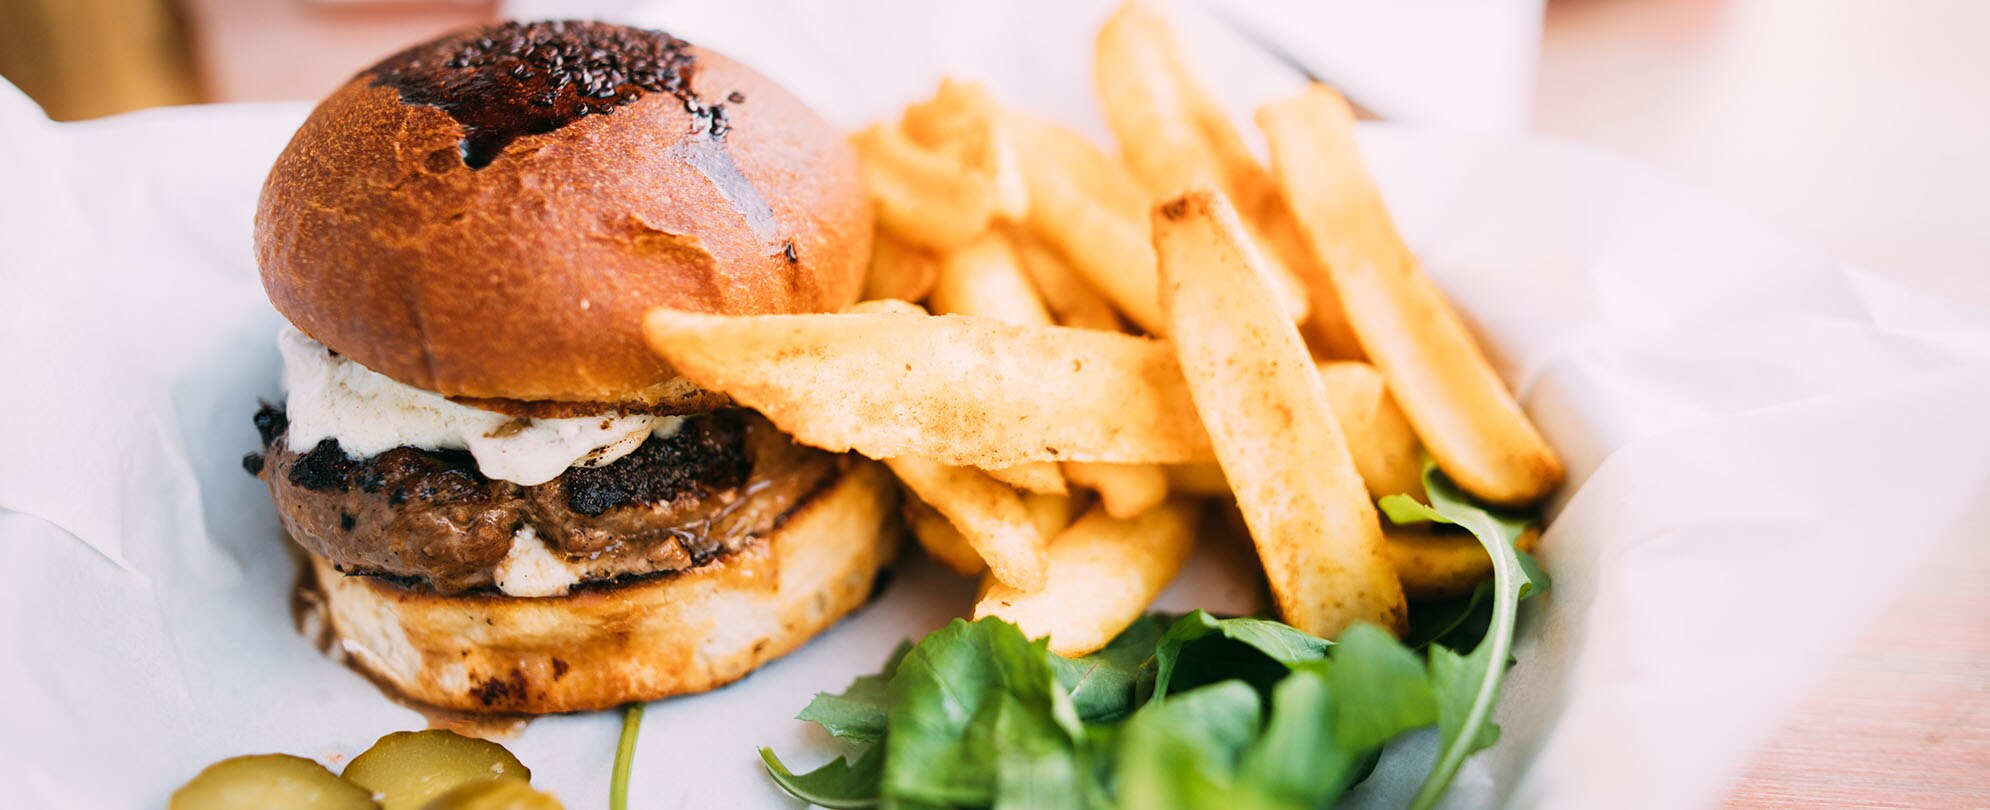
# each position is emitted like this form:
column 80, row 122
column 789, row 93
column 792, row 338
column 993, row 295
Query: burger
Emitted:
column 509, row 504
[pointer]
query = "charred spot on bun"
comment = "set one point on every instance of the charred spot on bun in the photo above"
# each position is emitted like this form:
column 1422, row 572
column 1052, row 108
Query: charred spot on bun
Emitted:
column 510, row 504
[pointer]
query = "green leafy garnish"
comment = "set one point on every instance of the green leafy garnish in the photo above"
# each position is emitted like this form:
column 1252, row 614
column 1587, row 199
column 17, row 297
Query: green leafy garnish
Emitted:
column 625, row 752
column 1214, row 661
column 1105, row 685
column 1186, row 711
column 859, row 711
column 1468, row 686
column 838, row 784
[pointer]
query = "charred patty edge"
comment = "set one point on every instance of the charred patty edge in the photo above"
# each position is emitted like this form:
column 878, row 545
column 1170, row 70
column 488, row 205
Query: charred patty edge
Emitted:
column 429, row 520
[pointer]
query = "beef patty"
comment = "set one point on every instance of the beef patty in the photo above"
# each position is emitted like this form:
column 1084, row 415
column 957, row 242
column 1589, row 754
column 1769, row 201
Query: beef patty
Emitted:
column 429, row 518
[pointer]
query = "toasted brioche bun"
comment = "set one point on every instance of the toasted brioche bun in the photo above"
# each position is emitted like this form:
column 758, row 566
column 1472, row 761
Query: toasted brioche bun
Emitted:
column 606, row 646
column 526, row 279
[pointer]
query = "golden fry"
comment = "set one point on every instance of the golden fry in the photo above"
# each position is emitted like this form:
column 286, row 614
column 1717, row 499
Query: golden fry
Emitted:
column 1050, row 513
column 961, row 391
column 1068, row 296
column 924, row 197
column 1103, row 573
column 1451, row 395
column 1385, row 450
column 963, row 120
column 884, row 305
column 1270, row 421
column 941, row 540
column 1443, row 565
column 1085, row 206
column 1126, row 490
column 899, row 270
column 1327, row 331
column 986, row 511
column 1174, row 135
column 1031, row 476
column 985, row 278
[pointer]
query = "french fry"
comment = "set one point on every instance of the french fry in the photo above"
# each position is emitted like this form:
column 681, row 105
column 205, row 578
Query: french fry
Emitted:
column 985, row 278
column 1385, row 450
column 1032, row 476
column 1170, row 131
column 884, row 305
column 1327, row 331
column 1443, row 565
column 1126, row 490
column 924, row 197
column 941, row 540
column 1068, row 296
column 1085, row 206
column 960, row 391
column 1050, row 513
column 1461, row 410
column 1173, row 134
column 899, row 270
column 963, row 120
column 986, row 511
column 1269, row 419
column 1103, row 573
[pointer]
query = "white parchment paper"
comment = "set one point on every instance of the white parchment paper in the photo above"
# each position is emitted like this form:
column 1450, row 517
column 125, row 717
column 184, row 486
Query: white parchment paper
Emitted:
column 1762, row 444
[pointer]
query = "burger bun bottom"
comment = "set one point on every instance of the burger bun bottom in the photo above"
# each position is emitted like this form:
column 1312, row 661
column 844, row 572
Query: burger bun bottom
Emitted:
column 605, row 646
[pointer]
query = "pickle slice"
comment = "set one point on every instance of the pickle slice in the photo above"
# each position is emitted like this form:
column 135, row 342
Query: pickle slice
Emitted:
column 266, row 781
column 408, row 768
column 494, row 794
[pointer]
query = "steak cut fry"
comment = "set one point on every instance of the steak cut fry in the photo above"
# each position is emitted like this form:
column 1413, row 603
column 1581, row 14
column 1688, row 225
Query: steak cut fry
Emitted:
column 1266, row 408
column 961, row 391
column 1456, row 402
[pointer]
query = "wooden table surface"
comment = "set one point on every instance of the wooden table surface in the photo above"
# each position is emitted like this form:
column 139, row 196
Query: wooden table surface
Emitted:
column 1860, row 127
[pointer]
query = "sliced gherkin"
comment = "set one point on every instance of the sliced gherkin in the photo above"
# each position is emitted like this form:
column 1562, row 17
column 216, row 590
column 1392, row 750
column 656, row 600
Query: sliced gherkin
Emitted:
column 270, row 782
column 407, row 769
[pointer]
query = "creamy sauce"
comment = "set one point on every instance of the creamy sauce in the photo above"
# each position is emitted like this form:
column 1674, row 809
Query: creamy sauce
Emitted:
column 531, row 569
column 331, row 397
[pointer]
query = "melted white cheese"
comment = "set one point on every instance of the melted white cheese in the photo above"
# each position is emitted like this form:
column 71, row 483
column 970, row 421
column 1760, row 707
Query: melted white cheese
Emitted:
column 331, row 397
column 531, row 569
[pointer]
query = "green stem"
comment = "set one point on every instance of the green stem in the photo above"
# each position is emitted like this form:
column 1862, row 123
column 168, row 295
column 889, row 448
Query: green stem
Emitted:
column 1500, row 635
column 625, row 751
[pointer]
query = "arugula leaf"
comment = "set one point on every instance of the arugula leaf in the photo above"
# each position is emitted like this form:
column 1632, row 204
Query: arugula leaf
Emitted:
column 837, row 784
column 858, row 713
column 1380, row 688
column 1298, row 759
column 1105, row 685
column 1035, row 763
column 1461, row 623
column 966, row 703
column 1183, row 753
column 1458, row 623
column 1187, row 712
column 1278, row 647
column 1467, row 687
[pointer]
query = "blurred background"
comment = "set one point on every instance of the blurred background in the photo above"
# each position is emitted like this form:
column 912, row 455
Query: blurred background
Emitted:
column 1857, row 126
